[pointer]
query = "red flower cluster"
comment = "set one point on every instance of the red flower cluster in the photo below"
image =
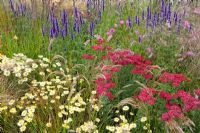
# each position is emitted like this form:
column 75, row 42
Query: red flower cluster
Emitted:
column 121, row 57
column 167, row 96
column 97, row 47
column 146, row 96
column 103, row 87
column 197, row 92
column 174, row 111
column 88, row 57
column 127, row 57
column 105, row 84
column 190, row 103
column 175, row 79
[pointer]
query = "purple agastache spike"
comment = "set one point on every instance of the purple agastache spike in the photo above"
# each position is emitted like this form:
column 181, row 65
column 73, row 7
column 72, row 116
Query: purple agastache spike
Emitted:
column 136, row 19
column 139, row 39
column 175, row 19
column 12, row 6
column 78, row 30
column 91, row 28
column 51, row 33
column 148, row 17
column 162, row 6
column 62, row 34
column 65, row 30
column 75, row 13
column 165, row 13
column 149, row 12
column 129, row 22
column 103, row 5
column 81, row 20
column 190, row 28
column 87, row 4
column 57, row 25
column 74, row 27
column 76, row 23
column 64, row 17
column 21, row 8
column 143, row 15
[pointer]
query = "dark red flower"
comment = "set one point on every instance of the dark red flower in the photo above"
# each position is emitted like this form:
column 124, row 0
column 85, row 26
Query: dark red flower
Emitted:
column 175, row 79
column 97, row 47
column 115, row 69
column 88, row 57
column 197, row 92
column 166, row 96
column 146, row 96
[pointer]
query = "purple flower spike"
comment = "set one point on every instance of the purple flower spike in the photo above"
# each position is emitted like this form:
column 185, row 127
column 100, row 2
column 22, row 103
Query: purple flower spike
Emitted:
column 139, row 39
column 81, row 20
column 62, row 34
column 64, row 17
column 91, row 28
column 129, row 22
column 142, row 15
column 103, row 4
column 12, row 7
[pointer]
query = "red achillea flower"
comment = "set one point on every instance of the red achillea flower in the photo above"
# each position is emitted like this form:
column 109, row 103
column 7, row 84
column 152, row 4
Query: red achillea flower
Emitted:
column 197, row 92
column 88, row 57
column 174, row 112
column 108, row 76
column 166, row 117
column 146, row 96
column 190, row 103
column 103, row 57
column 103, row 87
column 138, row 71
column 166, row 96
column 97, row 47
column 148, row 76
column 175, row 79
column 115, row 69
column 120, row 57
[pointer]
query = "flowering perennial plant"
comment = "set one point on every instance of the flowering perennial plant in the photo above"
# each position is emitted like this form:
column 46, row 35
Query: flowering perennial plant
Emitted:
column 56, row 93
